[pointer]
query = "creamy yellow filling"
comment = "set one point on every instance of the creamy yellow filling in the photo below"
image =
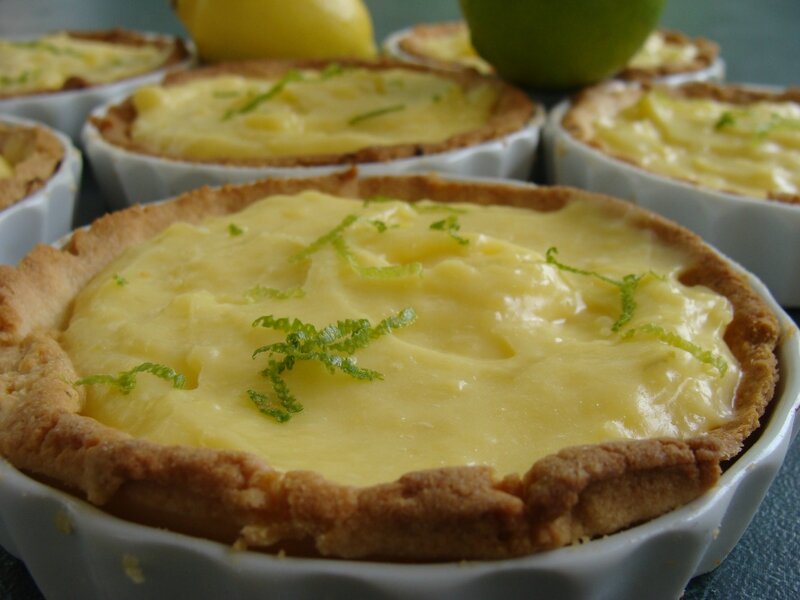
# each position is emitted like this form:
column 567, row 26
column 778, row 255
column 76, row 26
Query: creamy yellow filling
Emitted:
column 510, row 358
column 657, row 51
column 6, row 168
column 47, row 62
column 752, row 150
column 454, row 46
column 328, row 112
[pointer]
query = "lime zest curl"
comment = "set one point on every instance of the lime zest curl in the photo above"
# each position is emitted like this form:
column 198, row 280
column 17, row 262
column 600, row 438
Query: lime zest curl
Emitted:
column 673, row 339
column 324, row 239
column 290, row 76
column 627, row 287
column 451, row 226
column 260, row 292
column 126, row 380
column 378, row 112
column 332, row 346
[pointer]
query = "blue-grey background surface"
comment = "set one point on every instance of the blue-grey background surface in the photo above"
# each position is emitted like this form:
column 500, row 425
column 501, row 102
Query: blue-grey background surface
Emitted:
column 760, row 41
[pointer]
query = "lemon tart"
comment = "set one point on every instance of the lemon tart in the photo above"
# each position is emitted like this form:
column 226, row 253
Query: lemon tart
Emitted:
column 382, row 367
column 309, row 113
column 666, row 54
column 69, row 60
column 730, row 138
column 29, row 155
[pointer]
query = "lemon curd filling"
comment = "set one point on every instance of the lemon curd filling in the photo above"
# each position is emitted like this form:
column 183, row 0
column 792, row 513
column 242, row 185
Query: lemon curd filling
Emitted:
column 6, row 169
column 752, row 150
column 511, row 355
column 333, row 111
column 658, row 51
column 46, row 63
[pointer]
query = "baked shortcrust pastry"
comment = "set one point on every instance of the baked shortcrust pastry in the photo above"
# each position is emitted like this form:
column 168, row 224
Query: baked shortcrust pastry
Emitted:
column 728, row 138
column 448, row 45
column 69, row 60
column 667, row 52
column 299, row 113
column 401, row 368
column 445, row 45
column 29, row 155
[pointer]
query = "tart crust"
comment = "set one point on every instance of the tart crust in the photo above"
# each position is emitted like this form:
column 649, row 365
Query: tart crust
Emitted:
column 512, row 112
column 610, row 98
column 440, row 514
column 178, row 53
column 35, row 154
column 707, row 53
column 413, row 43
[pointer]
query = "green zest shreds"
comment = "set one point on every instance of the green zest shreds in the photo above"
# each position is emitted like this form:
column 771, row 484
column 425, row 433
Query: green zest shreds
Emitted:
column 6, row 80
column 726, row 119
column 332, row 346
column 335, row 239
column 126, row 380
column 760, row 129
column 254, row 102
column 120, row 280
column 234, row 230
column 627, row 288
column 379, row 225
column 378, row 112
column 324, row 239
column 47, row 46
column 451, row 226
column 676, row 341
column 291, row 76
column 259, row 292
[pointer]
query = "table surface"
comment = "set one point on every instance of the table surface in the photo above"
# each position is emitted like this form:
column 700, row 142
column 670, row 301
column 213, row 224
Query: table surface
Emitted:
column 759, row 43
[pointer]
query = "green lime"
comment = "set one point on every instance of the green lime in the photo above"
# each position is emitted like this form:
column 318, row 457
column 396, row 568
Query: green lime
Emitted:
column 559, row 44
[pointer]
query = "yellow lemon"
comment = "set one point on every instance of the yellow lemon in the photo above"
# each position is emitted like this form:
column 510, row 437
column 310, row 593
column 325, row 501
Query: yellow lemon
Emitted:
column 241, row 29
column 551, row 45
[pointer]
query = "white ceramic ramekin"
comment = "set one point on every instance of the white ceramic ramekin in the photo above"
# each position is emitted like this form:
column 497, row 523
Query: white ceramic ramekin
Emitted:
column 74, row 550
column 762, row 235
column 46, row 215
column 127, row 177
column 67, row 110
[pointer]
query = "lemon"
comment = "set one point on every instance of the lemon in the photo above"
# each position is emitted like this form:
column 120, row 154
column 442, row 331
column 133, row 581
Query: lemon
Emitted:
column 559, row 44
column 241, row 29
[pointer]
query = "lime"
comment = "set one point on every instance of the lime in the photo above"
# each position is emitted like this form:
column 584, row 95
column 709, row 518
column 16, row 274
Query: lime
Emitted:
column 559, row 44
column 242, row 29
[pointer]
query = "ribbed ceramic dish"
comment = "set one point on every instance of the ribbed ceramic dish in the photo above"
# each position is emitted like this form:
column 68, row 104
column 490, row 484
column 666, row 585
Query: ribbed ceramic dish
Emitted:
column 74, row 550
column 67, row 110
column 763, row 236
column 127, row 177
column 46, row 215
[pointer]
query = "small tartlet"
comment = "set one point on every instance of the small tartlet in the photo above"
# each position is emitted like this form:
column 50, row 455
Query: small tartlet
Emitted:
column 37, row 200
column 758, row 232
column 503, row 146
column 449, row 513
column 33, row 153
column 702, row 60
column 67, row 107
